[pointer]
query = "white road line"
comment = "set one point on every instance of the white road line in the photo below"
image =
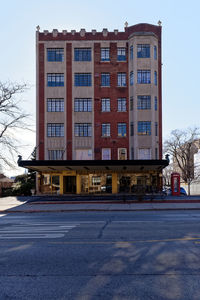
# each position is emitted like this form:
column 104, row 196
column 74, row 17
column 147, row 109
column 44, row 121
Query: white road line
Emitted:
column 28, row 236
column 39, row 230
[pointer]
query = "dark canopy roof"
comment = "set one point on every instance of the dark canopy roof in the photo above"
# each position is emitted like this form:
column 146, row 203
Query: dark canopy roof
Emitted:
column 94, row 165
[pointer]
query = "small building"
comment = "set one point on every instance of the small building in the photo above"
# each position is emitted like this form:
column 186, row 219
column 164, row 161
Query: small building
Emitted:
column 99, row 110
column 5, row 183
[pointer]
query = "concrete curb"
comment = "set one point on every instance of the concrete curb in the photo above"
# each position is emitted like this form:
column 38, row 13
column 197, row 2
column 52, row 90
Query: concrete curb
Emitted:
column 94, row 210
column 114, row 202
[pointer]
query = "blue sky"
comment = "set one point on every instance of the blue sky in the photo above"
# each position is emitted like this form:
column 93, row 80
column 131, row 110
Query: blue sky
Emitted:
column 180, row 44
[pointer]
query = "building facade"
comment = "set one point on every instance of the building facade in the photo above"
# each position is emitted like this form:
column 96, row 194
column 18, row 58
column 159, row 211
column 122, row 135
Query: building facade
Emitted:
column 99, row 98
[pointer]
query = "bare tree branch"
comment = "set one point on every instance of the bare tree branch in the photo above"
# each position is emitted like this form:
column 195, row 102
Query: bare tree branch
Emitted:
column 181, row 146
column 12, row 118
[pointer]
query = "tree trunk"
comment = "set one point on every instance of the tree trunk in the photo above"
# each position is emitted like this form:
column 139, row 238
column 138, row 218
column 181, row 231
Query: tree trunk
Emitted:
column 188, row 188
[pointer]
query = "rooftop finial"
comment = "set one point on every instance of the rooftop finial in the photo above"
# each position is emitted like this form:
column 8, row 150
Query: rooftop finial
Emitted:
column 159, row 23
column 126, row 24
column 38, row 28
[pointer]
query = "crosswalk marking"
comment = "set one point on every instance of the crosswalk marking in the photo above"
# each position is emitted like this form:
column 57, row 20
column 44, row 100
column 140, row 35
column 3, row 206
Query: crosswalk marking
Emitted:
column 37, row 230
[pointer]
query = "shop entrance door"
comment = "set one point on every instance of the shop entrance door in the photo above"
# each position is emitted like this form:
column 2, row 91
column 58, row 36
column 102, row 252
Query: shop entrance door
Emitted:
column 69, row 184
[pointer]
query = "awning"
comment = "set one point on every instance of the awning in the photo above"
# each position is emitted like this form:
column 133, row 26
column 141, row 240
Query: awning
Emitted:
column 94, row 165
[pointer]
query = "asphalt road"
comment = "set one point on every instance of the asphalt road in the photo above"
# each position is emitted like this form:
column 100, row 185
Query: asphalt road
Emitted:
column 100, row 255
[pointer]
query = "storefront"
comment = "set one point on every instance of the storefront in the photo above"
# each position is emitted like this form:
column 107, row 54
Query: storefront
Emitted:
column 97, row 177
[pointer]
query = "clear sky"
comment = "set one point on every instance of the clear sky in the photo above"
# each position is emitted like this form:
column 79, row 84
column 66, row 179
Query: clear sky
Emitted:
column 180, row 46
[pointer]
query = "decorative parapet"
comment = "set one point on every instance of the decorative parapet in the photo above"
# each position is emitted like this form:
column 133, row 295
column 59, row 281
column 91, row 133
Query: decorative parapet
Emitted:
column 82, row 32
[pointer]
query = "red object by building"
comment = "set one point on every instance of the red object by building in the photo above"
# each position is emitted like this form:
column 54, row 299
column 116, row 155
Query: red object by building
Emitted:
column 175, row 184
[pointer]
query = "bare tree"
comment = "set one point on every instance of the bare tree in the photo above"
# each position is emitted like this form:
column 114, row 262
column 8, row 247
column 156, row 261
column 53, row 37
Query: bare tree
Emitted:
column 12, row 118
column 182, row 145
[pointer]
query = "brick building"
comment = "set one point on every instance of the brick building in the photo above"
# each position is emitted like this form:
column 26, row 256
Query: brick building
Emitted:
column 99, row 110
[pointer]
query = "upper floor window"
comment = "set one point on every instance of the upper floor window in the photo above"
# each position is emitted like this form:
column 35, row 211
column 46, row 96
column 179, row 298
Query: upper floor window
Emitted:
column 82, row 104
column 121, row 54
column 82, row 79
column 55, row 105
column 144, row 128
column 155, row 78
column 105, row 104
column 55, row 154
column 83, row 129
column 121, row 79
column 131, row 78
column 155, row 103
column 105, row 129
column 155, row 52
column 105, row 54
column 106, row 153
column 55, row 129
column 105, row 79
column 121, row 129
column 122, row 153
column 132, row 129
column 144, row 102
column 55, row 54
column 156, row 128
column 156, row 153
column 55, row 79
column 131, row 52
column 121, row 104
column 144, row 153
column 131, row 103
column 143, row 51
column 82, row 54
column 143, row 76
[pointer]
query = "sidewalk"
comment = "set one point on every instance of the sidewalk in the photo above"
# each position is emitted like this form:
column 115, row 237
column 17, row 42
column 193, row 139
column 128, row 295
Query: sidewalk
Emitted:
column 25, row 204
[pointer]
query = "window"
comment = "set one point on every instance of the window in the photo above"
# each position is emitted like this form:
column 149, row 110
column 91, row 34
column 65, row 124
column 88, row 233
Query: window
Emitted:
column 55, row 129
column 131, row 52
column 105, row 79
column 121, row 104
column 96, row 180
column 131, row 103
column 106, row 129
column 83, row 129
column 144, row 102
column 144, row 153
column 55, row 105
column 131, row 78
column 121, row 79
column 132, row 153
column 55, row 154
column 105, row 54
column 121, row 54
column 155, row 52
column 156, row 128
column 143, row 51
column 106, row 154
column 55, row 79
column 122, row 153
column 155, row 77
column 155, row 103
column 144, row 128
column 156, row 153
column 105, row 104
column 143, row 76
column 55, row 54
column 82, row 79
column 121, row 129
column 82, row 104
column 132, row 129
column 82, row 54
column 83, row 154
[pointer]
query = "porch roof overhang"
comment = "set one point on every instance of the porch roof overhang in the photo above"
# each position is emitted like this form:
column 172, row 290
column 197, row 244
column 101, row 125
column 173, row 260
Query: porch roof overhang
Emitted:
column 94, row 165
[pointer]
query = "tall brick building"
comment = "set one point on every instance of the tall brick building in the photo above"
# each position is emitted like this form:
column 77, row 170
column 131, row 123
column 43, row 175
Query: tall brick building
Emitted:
column 99, row 110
